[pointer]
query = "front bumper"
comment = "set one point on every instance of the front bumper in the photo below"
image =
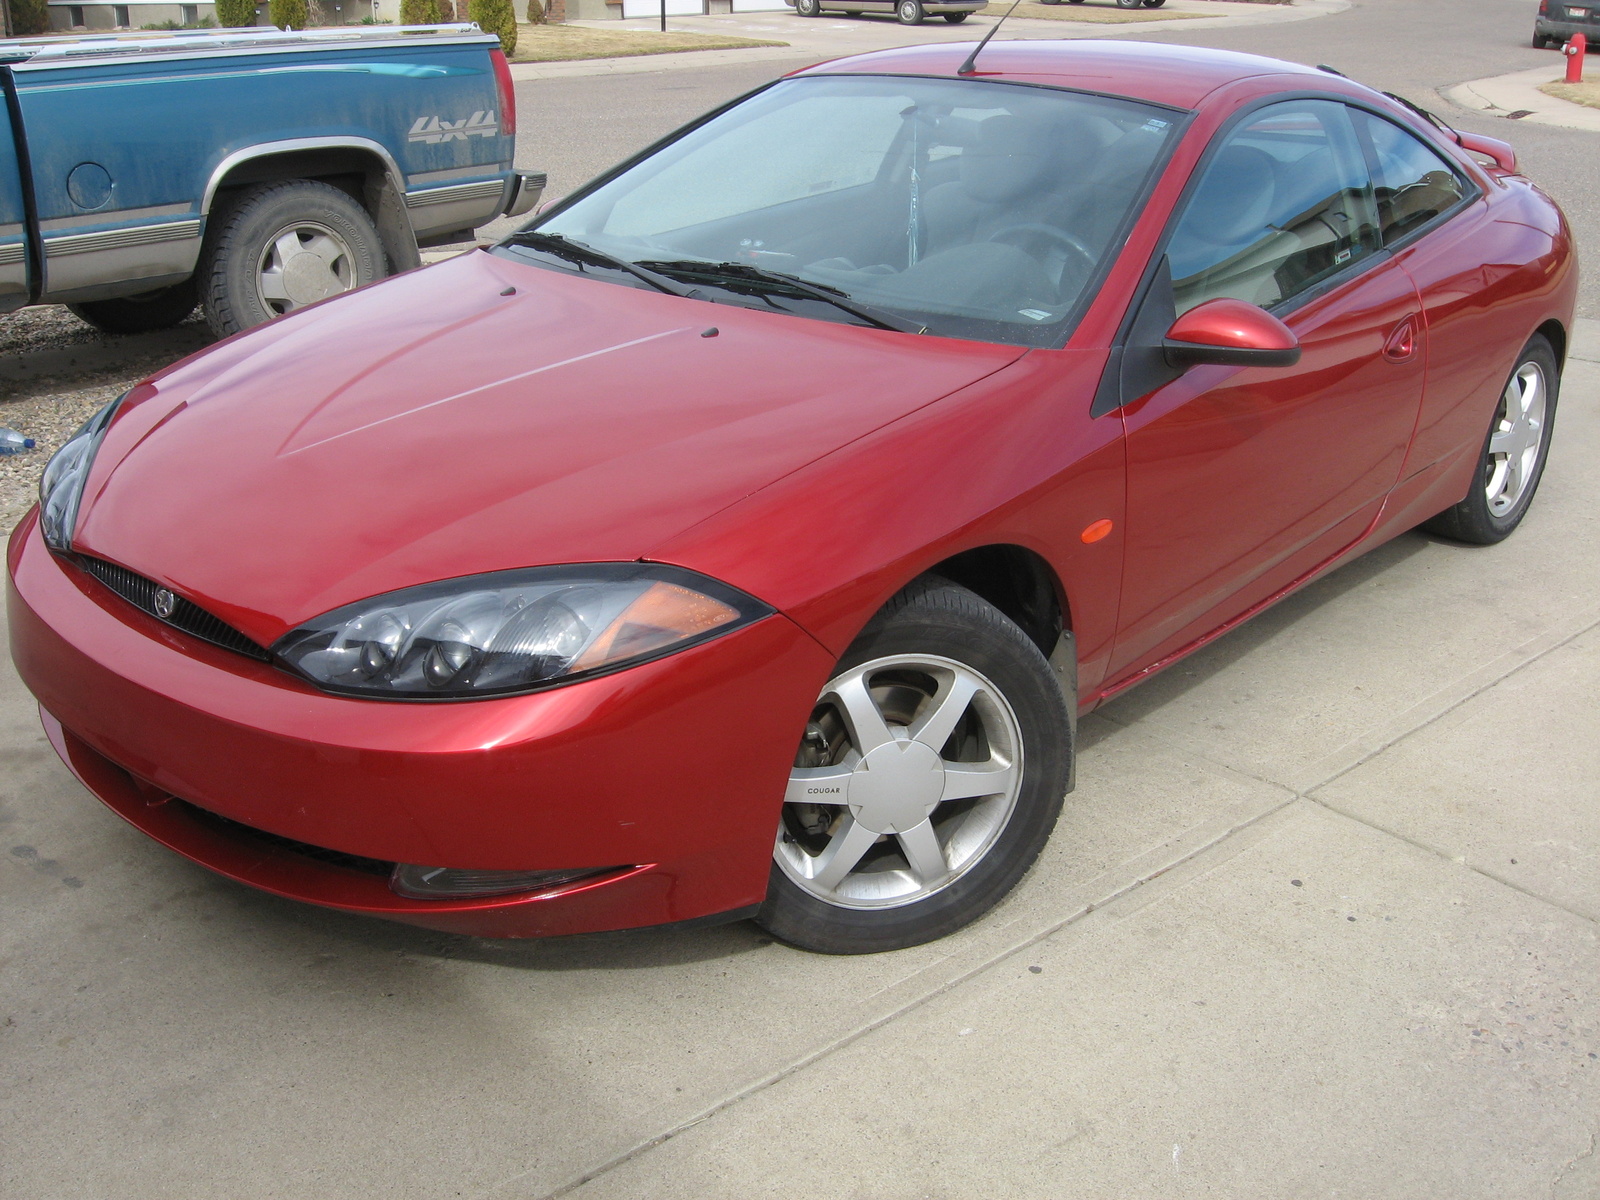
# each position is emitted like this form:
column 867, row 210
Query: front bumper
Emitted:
column 671, row 772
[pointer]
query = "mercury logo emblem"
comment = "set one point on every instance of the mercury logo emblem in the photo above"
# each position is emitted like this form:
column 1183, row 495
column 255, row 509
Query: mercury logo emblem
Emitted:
column 166, row 602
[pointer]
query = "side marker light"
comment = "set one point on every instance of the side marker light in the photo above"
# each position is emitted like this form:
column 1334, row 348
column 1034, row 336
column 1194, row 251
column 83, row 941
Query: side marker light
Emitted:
column 1095, row 532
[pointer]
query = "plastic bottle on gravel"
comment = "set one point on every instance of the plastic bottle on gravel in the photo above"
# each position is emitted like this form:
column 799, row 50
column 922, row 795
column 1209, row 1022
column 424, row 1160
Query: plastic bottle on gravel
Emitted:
column 12, row 442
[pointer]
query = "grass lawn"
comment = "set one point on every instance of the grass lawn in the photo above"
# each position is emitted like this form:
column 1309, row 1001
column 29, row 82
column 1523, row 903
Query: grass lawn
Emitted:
column 563, row 43
column 1095, row 15
column 1578, row 93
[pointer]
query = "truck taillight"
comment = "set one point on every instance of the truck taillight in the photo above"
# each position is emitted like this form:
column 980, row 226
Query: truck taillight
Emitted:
column 1544, row 8
column 508, row 97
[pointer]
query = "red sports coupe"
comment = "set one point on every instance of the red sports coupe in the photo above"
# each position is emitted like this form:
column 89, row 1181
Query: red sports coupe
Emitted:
column 744, row 536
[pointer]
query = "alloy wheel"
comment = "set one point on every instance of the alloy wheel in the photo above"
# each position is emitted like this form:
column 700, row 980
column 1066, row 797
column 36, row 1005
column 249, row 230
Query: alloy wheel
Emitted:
column 908, row 774
column 302, row 264
column 1518, row 436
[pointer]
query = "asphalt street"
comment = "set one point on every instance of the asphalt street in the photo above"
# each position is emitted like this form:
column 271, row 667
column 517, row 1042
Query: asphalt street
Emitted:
column 1321, row 920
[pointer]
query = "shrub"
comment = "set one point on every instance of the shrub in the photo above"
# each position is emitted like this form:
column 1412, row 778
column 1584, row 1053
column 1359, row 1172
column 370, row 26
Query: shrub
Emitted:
column 289, row 14
column 235, row 14
column 496, row 16
column 29, row 17
column 421, row 12
column 535, row 13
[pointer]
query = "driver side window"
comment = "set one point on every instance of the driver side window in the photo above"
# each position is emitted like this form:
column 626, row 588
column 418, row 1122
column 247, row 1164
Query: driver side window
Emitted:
column 1284, row 203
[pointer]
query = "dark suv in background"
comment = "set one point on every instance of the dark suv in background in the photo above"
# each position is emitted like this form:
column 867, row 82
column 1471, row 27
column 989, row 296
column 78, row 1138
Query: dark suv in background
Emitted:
column 1558, row 21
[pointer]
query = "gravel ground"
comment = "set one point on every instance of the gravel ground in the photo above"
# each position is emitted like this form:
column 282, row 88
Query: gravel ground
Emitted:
column 55, row 371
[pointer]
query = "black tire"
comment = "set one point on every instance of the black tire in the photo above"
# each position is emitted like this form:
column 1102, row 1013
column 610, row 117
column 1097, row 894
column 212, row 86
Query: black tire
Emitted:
column 160, row 309
column 909, row 12
column 1154, row 3
column 235, row 261
column 954, row 631
column 1482, row 519
column 808, row 8
column 1540, row 42
column 955, row 18
column 1074, row 1
column 1129, row 3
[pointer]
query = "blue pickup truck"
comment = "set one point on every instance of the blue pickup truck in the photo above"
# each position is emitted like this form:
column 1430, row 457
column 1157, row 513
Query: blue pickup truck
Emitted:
column 248, row 172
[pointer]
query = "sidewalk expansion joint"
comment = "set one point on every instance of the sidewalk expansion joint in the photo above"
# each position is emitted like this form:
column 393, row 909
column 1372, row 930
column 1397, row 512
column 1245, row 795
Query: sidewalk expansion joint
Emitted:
column 1229, row 834
column 1454, row 859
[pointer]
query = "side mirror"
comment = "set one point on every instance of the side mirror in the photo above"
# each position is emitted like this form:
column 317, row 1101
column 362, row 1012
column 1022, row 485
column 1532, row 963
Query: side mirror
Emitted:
column 1232, row 333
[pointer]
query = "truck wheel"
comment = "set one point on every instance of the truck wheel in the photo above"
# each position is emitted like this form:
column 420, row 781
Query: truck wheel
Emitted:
column 282, row 246
column 160, row 309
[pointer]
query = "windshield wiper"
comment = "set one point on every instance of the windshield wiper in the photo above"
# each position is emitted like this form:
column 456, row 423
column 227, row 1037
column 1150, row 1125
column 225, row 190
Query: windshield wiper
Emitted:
column 584, row 254
column 748, row 273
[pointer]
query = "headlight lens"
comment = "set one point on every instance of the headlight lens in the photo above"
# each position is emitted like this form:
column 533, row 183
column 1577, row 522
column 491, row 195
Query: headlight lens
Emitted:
column 61, row 485
column 513, row 631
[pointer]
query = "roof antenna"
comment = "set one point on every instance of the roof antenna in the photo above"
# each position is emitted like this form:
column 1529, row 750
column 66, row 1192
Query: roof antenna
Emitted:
column 967, row 68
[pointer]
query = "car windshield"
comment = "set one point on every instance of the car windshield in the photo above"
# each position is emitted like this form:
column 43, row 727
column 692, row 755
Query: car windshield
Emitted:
column 958, row 207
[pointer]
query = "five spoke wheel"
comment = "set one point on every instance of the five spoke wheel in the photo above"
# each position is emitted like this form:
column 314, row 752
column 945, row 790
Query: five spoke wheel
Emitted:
column 929, row 775
column 1517, row 438
column 304, row 263
column 908, row 773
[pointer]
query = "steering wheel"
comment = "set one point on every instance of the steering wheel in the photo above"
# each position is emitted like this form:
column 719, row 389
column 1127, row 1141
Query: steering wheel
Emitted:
column 1034, row 231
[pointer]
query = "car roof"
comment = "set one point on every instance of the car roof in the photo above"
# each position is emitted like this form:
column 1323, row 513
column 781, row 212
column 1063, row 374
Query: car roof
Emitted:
column 1179, row 76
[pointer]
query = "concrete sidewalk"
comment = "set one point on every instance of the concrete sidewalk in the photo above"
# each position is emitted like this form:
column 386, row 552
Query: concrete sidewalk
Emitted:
column 1318, row 921
column 1518, row 93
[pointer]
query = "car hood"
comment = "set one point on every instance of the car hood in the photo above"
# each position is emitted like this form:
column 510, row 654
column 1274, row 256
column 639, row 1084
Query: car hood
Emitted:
column 479, row 415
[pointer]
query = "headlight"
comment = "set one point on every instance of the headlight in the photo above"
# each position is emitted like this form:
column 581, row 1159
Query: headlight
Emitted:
column 61, row 485
column 512, row 631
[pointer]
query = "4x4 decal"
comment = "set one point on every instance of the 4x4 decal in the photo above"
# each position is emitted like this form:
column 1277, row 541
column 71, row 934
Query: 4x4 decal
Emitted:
column 433, row 130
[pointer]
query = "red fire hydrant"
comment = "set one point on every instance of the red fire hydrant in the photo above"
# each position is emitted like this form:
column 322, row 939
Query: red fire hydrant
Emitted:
column 1575, row 50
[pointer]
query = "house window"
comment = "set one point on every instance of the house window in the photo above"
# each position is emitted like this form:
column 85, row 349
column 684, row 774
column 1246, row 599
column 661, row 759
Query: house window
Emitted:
column 119, row 16
column 189, row 14
column 75, row 16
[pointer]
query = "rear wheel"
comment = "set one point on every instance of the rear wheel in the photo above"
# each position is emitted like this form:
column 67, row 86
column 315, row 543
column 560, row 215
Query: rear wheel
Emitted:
column 160, row 309
column 808, row 8
column 1154, row 3
column 1129, row 3
column 909, row 12
column 1540, row 41
column 928, row 779
column 956, row 18
column 1514, row 453
column 282, row 246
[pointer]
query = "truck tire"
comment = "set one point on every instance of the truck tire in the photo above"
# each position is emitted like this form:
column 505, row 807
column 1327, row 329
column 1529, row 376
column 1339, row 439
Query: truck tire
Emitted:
column 160, row 309
column 281, row 246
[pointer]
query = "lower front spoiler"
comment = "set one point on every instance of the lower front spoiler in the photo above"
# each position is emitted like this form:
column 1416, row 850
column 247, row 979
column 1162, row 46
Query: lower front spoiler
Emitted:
column 610, row 901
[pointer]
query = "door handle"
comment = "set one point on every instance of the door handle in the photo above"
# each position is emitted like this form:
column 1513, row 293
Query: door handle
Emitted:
column 1402, row 344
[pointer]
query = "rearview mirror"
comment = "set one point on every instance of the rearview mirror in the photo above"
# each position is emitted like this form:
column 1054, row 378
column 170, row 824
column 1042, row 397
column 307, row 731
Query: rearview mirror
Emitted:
column 1232, row 333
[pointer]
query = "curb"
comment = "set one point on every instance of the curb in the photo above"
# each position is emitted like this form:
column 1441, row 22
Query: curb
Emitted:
column 1518, row 92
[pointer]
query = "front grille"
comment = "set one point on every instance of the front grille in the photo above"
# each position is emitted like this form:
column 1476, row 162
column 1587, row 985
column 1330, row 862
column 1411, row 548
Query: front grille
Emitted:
column 191, row 618
column 334, row 858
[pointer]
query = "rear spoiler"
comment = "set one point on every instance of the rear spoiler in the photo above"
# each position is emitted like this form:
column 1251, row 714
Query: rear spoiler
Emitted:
column 1504, row 156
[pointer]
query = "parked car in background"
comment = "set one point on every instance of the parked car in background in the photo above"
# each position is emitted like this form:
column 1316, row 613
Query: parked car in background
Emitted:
column 907, row 12
column 744, row 536
column 250, row 172
column 1558, row 21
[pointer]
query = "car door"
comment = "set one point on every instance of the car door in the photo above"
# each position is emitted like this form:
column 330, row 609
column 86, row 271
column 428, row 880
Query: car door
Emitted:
column 13, row 230
column 1243, row 479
